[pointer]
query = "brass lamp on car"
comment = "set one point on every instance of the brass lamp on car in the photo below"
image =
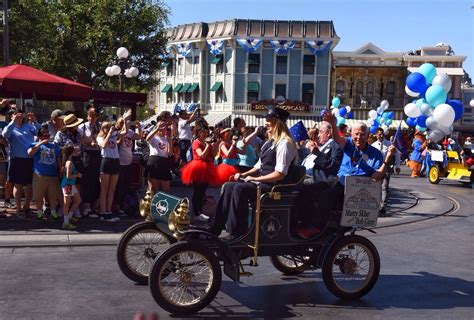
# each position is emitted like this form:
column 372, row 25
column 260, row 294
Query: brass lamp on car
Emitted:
column 145, row 205
column 178, row 220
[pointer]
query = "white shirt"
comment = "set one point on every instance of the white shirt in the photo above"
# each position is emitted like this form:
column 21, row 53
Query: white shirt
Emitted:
column 125, row 149
column 286, row 153
column 111, row 149
column 184, row 130
column 159, row 146
column 383, row 147
column 90, row 131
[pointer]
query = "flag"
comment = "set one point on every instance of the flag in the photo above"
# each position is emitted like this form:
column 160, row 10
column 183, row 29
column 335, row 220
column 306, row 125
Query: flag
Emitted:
column 398, row 142
column 298, row 131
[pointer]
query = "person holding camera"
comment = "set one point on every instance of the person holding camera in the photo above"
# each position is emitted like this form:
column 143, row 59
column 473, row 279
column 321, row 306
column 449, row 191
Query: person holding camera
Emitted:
column 109, row 167
column 228, row 152
column 185, row 134
column 200, row 172
column 158, row 165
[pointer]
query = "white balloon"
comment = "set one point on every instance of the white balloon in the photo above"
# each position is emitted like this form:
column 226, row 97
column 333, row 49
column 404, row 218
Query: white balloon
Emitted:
column 127, row 73
column 411, row 93
column 348, row 108
column 412, row 110
column 435, row 135
column 443, row 80
column 385, row 129
column 335, row 112
column 426, row 109
column 332, row 107
column 445, row 130
column 370, row 122
column 444, row 115
column 384, row 104
column 373, row 114
column 431, row 123
column 122, row 53
column 380, row 110
column 471, row 103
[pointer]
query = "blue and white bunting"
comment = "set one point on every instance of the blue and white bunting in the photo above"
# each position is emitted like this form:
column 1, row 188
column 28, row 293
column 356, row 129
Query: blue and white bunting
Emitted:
column 250, row 44
column 184, row 48
column 282, row 46
column 215, row 46
column 318, row 47
column 167, row 52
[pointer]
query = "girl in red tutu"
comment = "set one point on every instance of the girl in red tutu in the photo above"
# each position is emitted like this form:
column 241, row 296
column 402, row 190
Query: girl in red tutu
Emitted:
column 201, row 171
column 228, row 151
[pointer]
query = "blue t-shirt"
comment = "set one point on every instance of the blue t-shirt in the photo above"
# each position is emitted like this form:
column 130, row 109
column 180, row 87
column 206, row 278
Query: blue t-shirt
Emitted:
column 44, row 160
column 359, row 162
column 416, row 154
column 249, row 159
column 20, row 138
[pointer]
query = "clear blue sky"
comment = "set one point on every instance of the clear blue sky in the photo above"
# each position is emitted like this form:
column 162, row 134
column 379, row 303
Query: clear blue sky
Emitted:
column 392, row 25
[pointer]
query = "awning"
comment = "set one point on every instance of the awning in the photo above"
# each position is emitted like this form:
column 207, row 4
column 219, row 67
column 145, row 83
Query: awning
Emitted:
column 253, row 87
column 217, row 86
column 448, row 71
column 178, row 86
column 185, row 88
column 308, row 88
column 216, row 59
column 167, row 88
column 215, row 118
column 120, row 98
column 193, row 87
column 165, row 64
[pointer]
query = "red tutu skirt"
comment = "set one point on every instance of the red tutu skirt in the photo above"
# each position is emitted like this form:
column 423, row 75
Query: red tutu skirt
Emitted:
column 199, row 171
column 224, row 172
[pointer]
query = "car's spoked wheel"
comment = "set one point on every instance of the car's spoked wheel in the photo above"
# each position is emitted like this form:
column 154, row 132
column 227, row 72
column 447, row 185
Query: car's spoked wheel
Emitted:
column 290, row 265
column 351, row 267
column 138, row 248
column 185, row 278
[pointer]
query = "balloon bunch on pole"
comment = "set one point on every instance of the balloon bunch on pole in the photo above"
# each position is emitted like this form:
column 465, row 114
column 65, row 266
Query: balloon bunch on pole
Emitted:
column 380, row 118
column 340, row 112
column 432, row 111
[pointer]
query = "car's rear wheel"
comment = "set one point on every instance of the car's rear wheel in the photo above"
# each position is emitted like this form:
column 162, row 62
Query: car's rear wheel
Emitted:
column 433, row 174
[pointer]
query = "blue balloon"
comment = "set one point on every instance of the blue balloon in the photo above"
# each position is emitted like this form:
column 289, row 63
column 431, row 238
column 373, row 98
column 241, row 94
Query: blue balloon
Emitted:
column 436, row 95
column 385, row 115
column 391, row 114
column 388, row 122
column 457, row 107
column 419, row 102
column 342, row 111
column 336, row 102
column 376, row 124
column 350, row 115
column 340, row 120
column 416, row 82
column 429, row 71
column 421, row 121
column 373, row 129
column 411, row 122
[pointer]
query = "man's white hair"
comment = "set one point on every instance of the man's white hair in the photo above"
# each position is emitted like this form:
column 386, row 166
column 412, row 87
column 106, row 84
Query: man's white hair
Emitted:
column 360, row 125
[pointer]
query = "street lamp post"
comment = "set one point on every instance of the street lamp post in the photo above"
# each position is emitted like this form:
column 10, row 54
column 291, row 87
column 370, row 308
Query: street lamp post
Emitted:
column 122, row 66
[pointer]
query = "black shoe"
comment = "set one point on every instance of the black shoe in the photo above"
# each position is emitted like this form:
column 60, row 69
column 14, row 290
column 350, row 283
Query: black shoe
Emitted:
column 383, row 213
column 226, row 237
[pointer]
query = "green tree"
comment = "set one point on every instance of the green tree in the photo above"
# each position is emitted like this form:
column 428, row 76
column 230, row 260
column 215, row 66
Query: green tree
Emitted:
column 78, row 38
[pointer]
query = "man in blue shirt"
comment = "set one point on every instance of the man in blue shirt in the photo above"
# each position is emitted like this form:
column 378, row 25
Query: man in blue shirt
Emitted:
column 46, row 174
column 20, row 134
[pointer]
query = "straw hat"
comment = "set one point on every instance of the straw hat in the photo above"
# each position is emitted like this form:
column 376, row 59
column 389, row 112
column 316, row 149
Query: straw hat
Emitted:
column 71, row 121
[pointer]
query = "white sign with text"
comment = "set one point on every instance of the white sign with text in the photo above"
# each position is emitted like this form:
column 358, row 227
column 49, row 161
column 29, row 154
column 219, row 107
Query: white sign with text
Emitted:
column 361, row 202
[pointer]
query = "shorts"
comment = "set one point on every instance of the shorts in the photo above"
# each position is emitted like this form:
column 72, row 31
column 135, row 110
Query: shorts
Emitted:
column 158, row 168
column 45, row 186
column 110, row 166
column 69, row 191
column 20, row 171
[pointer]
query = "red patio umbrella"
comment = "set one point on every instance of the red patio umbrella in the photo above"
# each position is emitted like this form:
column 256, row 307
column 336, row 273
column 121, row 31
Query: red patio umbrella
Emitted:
column 16, row 80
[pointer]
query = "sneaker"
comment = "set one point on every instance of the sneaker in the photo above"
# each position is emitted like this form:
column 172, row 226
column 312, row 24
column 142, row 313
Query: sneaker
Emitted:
column 108, row 217
column 9, row 205
column 93, row 214
column 39, row 215
column 201, row 218
column 307, row 232
column 115, row 216
column 53, row 216
column 68, row 226
column 75, row 220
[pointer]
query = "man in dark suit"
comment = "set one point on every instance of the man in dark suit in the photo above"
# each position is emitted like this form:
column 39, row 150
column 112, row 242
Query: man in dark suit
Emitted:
column 326, row 165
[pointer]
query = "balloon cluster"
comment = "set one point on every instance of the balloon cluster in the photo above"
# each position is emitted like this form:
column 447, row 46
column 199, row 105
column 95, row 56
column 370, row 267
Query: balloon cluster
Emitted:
column 340, row 112
column 432, row 111
column 380, row 118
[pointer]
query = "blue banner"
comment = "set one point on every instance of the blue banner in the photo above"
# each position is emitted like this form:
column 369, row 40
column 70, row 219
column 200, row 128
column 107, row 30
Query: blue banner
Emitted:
column 215, row 46
column 184, row 48
column 282, row 46
column 250, row 44
column 318, row 47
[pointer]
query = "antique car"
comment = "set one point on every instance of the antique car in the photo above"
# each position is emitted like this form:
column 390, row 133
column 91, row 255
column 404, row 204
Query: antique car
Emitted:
column 447, row 165
column 183, row 263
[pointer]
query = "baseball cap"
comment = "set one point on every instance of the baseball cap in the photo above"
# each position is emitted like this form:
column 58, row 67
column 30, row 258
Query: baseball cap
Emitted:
column 58, row 113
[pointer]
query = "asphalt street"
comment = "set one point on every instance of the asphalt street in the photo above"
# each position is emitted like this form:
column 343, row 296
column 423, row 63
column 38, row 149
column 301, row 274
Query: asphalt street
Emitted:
column 426, row 273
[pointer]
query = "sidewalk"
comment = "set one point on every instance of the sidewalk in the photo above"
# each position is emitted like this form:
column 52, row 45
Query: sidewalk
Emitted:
column 404, row 206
